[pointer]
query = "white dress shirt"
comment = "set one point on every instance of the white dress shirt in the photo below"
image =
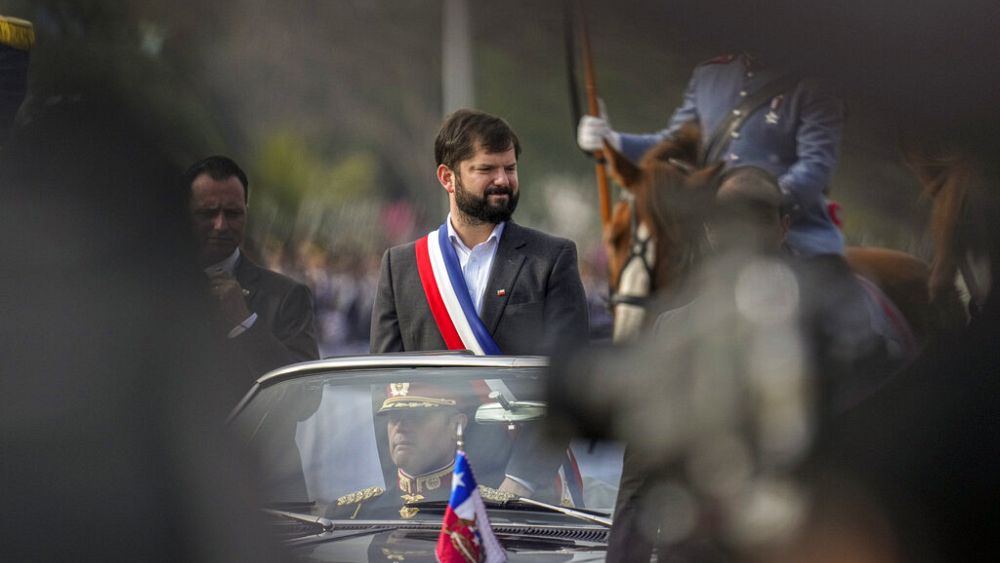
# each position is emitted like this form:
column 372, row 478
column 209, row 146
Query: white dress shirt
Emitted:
column 476, row 262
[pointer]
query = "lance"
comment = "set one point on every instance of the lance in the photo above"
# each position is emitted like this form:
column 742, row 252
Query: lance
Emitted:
column 593, row 106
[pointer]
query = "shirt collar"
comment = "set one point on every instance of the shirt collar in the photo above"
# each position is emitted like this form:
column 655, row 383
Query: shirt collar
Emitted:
column 227, row 265
column 455, row 239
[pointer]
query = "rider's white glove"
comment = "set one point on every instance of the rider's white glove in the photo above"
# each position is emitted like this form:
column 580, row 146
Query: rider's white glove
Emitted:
column 593, row 131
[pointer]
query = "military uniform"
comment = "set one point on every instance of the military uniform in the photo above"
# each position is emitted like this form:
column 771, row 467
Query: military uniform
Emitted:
column 378, row 503
column 796, row 137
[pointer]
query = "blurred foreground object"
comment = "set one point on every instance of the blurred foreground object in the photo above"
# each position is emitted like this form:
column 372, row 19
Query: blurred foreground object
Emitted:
column 920, row 460
column 17, row 37
column 734, row 449
column 112, row 404
column 754, row 354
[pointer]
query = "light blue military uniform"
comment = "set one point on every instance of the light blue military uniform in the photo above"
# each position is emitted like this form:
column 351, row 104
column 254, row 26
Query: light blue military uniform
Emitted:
column 795, row 137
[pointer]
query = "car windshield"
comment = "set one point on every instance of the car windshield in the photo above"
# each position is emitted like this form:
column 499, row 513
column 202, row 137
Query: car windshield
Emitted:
column 363, row 444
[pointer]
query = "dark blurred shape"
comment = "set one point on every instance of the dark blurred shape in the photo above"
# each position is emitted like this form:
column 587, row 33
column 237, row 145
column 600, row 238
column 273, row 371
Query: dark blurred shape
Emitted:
column 16, row 39
column 923, row 61
column 924, row 453
column 113, row 404
column 908, row 474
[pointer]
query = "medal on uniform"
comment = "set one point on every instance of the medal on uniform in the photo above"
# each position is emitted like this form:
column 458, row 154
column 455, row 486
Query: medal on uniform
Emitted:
column 408, row 512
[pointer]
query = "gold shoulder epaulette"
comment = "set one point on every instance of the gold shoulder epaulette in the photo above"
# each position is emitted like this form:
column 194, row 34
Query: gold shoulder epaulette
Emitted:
column 360, row 496
column 16, row 33
column 495, row 495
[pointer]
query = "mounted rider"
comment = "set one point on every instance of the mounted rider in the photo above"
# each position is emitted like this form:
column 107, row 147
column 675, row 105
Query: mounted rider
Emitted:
column 792, row 129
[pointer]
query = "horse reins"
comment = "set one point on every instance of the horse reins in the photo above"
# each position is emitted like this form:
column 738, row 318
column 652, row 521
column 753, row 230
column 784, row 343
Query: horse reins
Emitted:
column 639, row 246
column 637, row 251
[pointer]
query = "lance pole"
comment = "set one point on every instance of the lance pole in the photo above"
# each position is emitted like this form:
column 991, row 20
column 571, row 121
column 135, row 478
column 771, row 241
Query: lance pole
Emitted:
column 593, row 108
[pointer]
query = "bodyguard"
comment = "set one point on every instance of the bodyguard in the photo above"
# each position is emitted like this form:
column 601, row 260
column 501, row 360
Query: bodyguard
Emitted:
column 267, row 318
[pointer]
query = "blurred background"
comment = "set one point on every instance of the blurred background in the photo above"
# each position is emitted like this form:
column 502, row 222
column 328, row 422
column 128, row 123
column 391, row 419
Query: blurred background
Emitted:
column 332, row 106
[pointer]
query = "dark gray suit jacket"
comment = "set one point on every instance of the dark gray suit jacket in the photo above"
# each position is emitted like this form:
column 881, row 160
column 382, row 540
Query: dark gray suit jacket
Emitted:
column 285, row 330
column 542, row 309
column 542, row 306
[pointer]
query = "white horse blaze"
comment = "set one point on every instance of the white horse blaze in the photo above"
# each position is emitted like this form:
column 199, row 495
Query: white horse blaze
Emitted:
column 634, row 282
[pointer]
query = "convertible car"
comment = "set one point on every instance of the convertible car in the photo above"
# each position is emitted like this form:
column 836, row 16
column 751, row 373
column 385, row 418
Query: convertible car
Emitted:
column 335, row 436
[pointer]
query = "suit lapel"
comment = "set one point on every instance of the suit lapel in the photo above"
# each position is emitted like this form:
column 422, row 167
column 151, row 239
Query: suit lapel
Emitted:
column 506, row 267
column 246, row 273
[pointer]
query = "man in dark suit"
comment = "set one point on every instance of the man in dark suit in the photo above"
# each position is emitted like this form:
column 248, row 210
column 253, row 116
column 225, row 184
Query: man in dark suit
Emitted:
column 523, row 284
column 268, row 317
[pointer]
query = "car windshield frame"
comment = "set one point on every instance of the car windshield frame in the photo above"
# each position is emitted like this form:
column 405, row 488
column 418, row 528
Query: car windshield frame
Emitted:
column 380, row 369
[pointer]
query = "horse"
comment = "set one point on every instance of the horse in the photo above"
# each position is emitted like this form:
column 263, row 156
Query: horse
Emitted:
column 656, row 243
column 963, row 211
column 657, row 233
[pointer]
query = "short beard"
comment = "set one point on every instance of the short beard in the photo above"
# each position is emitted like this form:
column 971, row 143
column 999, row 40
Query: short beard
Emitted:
column 479, row 210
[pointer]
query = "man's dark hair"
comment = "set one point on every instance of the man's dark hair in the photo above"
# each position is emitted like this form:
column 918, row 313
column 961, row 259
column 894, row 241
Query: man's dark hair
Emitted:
column 218, row 167
column 463, row 130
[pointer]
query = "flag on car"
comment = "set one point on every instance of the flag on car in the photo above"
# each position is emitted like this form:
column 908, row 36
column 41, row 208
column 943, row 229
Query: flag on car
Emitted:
column 466, row 535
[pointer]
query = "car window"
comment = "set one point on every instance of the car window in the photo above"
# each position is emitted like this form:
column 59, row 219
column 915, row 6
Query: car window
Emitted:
column 371, row 440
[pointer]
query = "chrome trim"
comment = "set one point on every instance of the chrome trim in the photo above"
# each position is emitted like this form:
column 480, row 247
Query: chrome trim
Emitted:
column 400, row 360
column 505, row 528
column 325, row 523
column 243, row 402
column 602, row 520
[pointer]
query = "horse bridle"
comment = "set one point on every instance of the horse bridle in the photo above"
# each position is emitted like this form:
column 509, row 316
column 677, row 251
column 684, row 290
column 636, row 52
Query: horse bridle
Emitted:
column 638, row 248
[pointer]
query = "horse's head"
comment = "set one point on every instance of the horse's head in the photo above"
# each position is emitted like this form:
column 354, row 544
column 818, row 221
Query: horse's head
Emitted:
column 961, row 187
column 657, row 229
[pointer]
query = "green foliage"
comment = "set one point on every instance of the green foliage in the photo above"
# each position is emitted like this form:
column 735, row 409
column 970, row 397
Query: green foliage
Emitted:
column 288, row 171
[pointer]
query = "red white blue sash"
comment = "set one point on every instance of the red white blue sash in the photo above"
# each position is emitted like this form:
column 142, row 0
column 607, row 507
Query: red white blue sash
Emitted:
column 448, row 296
column 462, row 329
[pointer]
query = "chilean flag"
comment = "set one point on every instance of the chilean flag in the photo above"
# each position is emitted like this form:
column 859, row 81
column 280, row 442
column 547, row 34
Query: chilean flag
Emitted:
column 466, row 535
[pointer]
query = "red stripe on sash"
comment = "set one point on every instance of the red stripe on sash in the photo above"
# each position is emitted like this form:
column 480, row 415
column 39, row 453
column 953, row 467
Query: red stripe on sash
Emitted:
column 438, row 310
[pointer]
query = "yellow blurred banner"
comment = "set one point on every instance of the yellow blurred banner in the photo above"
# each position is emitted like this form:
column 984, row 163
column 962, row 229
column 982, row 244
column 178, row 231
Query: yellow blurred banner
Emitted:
column 16, row 33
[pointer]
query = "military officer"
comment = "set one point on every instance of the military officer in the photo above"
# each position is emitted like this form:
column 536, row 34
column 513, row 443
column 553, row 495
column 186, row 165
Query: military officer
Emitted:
column 794, row 135
column 422, row 422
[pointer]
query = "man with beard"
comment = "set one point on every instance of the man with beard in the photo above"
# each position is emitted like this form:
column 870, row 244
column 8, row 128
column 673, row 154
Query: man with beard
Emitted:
column 483, row 282
column 524, row 285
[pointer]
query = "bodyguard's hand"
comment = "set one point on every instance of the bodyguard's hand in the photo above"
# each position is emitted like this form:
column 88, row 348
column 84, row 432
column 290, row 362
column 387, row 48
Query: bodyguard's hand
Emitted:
column 228, row 291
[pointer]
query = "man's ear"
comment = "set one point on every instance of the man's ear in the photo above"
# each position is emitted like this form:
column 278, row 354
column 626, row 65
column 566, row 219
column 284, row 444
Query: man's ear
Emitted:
column 621, row 168
column 446, row 176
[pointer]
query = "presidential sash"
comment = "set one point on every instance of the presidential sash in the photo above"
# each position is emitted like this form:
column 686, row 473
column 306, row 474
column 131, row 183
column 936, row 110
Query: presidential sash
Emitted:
column 448, row 296
column 462, row 329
